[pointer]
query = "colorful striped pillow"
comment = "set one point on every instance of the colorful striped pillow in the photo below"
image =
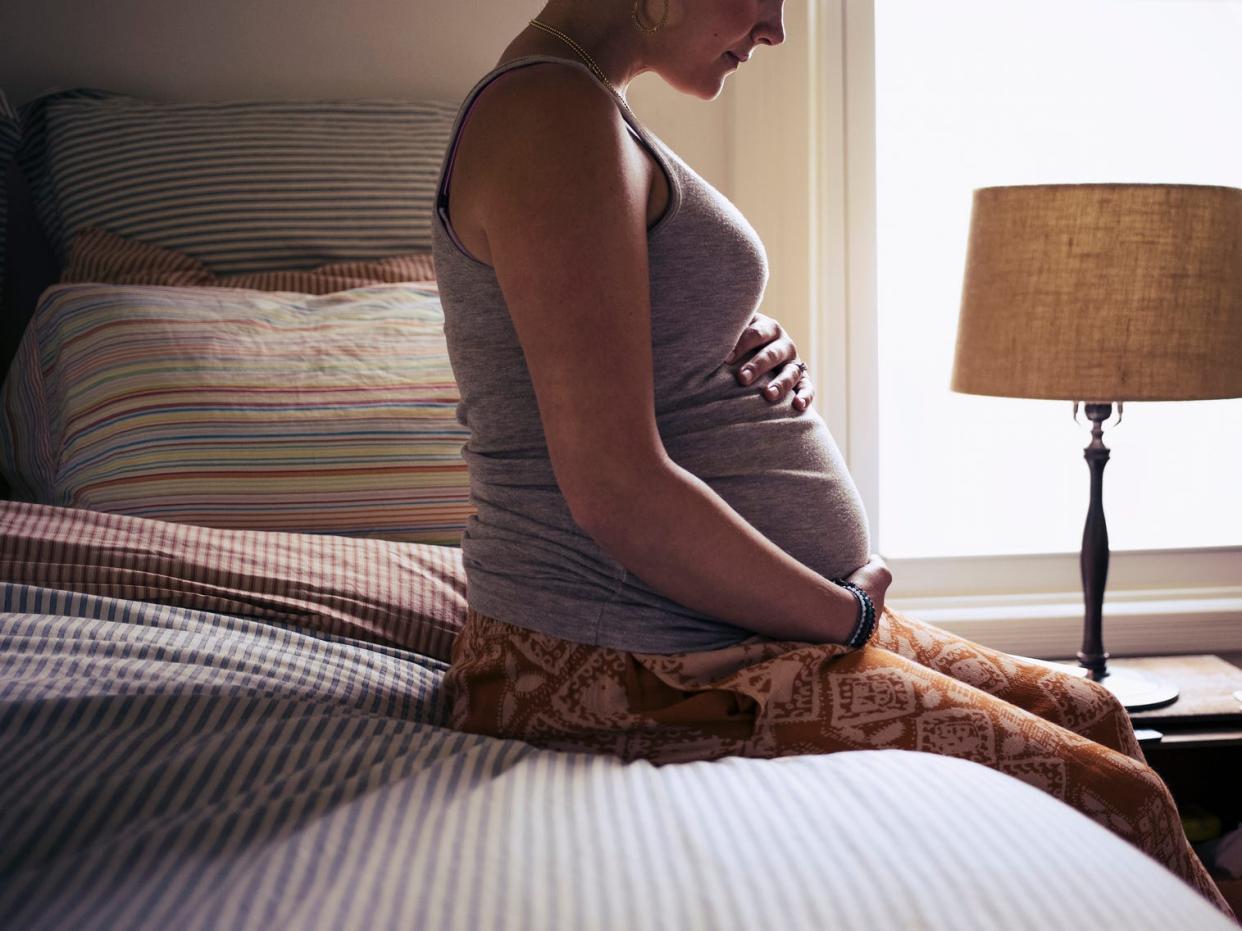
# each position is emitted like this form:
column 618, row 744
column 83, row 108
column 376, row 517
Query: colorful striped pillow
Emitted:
column 101, row 257
column 241, row 409
column 244, row 186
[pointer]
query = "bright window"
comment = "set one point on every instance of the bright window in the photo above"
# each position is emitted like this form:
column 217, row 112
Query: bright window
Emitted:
column 974, row 93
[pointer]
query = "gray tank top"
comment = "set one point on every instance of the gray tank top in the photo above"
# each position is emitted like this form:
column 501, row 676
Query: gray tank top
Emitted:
column 527, row 562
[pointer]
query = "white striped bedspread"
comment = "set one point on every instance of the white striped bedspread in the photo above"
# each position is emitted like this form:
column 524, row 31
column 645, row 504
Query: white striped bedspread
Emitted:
column 165, row 767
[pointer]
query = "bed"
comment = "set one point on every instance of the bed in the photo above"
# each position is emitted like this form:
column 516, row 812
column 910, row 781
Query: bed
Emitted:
column 229, row 588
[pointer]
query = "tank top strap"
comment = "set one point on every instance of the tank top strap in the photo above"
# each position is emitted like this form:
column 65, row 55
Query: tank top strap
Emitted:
column 450, row 156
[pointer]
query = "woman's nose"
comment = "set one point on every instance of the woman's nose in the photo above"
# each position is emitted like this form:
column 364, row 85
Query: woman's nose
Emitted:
column 771, row 30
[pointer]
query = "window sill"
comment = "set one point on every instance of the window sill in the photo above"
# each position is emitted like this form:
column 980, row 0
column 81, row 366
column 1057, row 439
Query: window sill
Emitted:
column 1049, row 625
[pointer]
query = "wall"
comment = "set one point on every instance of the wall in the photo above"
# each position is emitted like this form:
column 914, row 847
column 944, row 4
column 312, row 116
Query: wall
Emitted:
column 222, row 49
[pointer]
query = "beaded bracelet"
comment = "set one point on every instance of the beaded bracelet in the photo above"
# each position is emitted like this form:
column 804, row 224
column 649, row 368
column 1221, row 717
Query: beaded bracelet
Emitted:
column 866, row 614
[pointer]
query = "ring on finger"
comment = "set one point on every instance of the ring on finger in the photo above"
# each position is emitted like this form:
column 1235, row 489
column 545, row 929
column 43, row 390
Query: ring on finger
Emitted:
column 794, row 373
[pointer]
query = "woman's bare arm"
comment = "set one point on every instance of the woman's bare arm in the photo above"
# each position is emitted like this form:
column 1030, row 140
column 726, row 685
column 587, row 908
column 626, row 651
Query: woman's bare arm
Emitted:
column 564, row 212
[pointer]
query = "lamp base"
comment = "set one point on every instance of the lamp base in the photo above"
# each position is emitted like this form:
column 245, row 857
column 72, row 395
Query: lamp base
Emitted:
column 1137, row 691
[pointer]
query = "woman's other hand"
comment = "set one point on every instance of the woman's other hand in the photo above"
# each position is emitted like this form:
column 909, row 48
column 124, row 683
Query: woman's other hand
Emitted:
column 776, row 353
column 873, row 578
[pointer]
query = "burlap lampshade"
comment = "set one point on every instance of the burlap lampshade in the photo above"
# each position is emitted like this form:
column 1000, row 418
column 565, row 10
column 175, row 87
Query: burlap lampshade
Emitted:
column 1103, row 292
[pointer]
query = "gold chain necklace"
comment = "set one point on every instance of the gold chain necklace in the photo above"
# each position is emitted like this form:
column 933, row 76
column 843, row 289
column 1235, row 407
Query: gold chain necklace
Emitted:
column 587, row 58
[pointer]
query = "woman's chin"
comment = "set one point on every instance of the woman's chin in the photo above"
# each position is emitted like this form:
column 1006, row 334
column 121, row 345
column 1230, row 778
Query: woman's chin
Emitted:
column 707, row 87
column 712, row 91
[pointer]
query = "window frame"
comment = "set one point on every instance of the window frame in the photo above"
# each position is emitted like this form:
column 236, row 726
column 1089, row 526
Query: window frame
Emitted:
column 811, row 111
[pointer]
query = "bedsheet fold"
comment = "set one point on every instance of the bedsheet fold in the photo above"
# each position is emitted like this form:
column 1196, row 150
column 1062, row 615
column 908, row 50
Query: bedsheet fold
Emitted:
column 411, row 595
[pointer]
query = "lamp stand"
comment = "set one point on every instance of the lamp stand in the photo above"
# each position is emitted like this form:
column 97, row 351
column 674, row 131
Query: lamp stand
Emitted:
column 1135, row 691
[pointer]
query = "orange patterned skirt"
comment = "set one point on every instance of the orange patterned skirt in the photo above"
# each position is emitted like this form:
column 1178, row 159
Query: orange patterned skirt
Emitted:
column 912, row 686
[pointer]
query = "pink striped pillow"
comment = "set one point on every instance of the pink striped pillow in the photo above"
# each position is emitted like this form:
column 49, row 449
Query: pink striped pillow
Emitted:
column 100, row 257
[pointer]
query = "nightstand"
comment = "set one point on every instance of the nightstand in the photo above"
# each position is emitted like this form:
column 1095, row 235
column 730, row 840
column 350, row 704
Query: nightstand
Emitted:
column 1198, row 738
column 1198, row 752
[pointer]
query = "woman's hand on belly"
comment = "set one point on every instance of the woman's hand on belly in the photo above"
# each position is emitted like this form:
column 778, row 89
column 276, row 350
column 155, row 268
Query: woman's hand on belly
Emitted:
column 767, row 349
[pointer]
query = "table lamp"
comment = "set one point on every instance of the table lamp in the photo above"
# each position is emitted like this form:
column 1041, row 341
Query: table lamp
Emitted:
column 1102, row 294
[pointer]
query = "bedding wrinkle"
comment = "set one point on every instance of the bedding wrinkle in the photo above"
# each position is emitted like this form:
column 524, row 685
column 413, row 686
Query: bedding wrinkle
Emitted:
column 527, row 561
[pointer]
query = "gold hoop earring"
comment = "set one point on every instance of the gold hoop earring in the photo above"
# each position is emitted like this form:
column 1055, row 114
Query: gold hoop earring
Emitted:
column 657, row 26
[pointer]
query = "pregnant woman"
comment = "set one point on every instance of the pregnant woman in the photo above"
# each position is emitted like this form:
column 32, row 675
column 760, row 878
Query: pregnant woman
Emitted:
column 669, row 560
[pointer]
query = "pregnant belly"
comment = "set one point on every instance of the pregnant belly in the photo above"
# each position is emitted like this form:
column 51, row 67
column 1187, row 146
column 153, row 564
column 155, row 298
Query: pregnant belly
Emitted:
column 782, row 471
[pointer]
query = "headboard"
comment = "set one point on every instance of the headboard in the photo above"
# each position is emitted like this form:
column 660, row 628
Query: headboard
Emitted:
column 29, row 265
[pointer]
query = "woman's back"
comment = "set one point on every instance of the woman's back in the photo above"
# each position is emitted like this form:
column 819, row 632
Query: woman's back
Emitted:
column 528, row 561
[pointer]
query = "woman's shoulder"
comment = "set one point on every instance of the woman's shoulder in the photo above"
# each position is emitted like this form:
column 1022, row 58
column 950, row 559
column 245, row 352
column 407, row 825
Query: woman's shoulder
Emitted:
column 547, row 115
column 544, row 91
column 534, row 133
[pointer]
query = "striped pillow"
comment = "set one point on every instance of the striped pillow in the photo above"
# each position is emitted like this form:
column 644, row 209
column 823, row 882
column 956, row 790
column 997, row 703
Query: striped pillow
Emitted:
column 248, row 186
column 105, row 258
column 241, row 409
